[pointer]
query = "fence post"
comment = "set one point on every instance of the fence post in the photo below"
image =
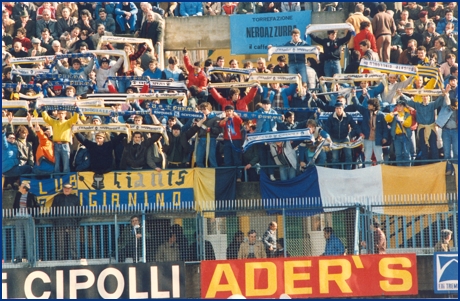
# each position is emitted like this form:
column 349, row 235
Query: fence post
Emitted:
column 454, row 215
column 356, row 243
column 117, row 234
column 144, row 253
column 284, row 232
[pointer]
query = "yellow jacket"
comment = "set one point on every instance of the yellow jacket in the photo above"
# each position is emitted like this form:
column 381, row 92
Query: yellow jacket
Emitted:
column 61, row 129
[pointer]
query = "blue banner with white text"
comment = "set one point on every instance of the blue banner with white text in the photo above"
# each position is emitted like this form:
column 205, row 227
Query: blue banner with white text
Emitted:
column 252, row 33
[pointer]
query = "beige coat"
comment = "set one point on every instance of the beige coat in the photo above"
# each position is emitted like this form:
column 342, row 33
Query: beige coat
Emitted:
column 259, row 250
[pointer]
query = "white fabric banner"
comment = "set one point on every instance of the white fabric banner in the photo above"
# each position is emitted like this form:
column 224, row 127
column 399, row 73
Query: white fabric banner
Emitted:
column 364, row 183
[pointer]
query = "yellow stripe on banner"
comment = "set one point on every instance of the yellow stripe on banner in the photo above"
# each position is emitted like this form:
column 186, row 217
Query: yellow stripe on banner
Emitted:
column 416, row 180
column 279, row 221
column 204, row 190
column 245, row 224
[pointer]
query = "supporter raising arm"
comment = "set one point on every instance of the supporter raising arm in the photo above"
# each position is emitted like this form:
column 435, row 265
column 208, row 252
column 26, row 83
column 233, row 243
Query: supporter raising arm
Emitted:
column 196, row 77
column 240, row 104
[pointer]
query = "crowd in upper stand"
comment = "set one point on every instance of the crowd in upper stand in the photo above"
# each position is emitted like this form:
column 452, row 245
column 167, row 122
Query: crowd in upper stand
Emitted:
column 395, row 126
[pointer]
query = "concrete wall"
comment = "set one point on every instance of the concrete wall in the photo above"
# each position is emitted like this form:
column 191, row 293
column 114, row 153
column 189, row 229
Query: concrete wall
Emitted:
column 213, row 32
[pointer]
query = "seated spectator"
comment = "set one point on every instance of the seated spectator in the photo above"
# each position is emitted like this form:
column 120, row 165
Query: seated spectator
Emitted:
column 189, row 9
column 72, row 8
column 173, row 72
column 280, row 248
column 7, row 23
column 18, row 52
column 169, row 250
column 46, row 6
column 86, row 22
column 211, row 8
column 26, row 23
column 66, row 22
column 36, row 49
column 109, row 8
column 170, row 7
column 409, row 35
column 249, row 8
column 290, row 6
column 449, row 18
column 334, row 245
column 100, row 33
column 69, row 39
column 403, row 20
column 47, row 22
column 154, row 72
column 435, row 11
column 229, row 8
column 126, row 16
column 271, row 7
column 106, row 20
column 28, row 7
column 440, row 50
column 368, row 53
column 252, row 248
column 444, row 69
column 21, row 37
column 421, row 24
column 450, row 37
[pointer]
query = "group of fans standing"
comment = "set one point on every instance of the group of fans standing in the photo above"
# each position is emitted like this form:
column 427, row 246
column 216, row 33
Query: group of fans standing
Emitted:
column 394, row 126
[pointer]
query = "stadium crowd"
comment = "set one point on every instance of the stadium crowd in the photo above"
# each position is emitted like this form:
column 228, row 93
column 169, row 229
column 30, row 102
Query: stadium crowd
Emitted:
column 395, row 124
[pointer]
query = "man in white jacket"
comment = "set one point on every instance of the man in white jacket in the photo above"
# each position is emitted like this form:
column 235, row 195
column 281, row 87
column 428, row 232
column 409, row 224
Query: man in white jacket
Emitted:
column 104, row 71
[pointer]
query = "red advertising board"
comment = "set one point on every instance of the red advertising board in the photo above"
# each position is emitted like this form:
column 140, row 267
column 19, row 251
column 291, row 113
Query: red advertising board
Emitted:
column 314, row 277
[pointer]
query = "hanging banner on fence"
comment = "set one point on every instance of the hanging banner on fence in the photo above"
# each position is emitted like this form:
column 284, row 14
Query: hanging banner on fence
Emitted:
column 167, row 188
column 311, row 277
column 115, row 281
column 378, row 186
column 252, row 33
column 445, row 272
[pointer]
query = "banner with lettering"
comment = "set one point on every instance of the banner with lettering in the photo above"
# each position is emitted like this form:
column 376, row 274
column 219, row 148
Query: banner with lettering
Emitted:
column 201, row 188
column 252, row 33
column 161, row 280
column 311, row 277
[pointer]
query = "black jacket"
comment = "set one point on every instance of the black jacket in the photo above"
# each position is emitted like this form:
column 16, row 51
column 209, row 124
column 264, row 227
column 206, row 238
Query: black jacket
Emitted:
column 338, row 128
column 31, row 202
column 101, row 157
column 184, row 147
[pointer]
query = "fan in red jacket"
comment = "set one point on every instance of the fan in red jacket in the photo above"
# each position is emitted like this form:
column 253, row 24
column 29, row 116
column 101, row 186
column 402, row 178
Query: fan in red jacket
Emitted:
column 241, row 104
column 365, row 34
column 196, row 76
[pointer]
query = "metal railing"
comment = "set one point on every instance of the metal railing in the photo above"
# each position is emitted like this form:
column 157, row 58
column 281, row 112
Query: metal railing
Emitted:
column 104, row 234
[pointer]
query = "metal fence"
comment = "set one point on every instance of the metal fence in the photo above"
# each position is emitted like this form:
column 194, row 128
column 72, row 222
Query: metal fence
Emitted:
column 59, row 236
